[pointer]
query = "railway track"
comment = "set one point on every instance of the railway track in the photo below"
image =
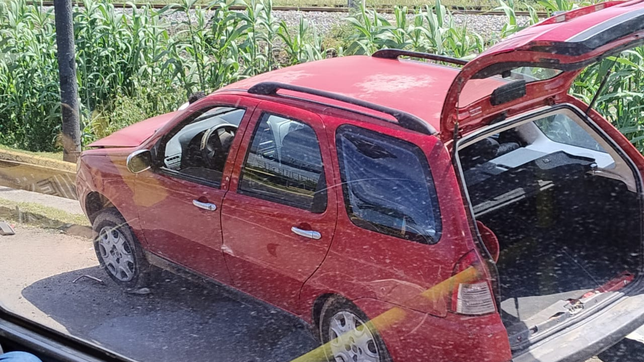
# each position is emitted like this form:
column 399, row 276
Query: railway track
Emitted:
column 329, row 9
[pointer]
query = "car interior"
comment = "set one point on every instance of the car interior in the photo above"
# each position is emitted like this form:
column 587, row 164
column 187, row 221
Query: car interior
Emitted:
column 285, row 155
column 558, row 206
column 200, row 148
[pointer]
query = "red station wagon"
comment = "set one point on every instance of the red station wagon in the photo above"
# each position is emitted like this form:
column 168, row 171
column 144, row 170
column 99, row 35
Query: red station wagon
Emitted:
column 478, row 213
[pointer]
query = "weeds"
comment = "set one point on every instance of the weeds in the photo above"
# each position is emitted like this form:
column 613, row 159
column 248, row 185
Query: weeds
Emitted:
column 133, row 64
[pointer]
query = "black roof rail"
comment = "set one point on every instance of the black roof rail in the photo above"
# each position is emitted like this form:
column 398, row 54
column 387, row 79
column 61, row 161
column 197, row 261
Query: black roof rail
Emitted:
column 404, row 119
column 395, row 53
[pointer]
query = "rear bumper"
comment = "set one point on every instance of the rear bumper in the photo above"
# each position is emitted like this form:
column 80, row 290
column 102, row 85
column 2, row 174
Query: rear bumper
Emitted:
column 419, row 337
column 592, row 335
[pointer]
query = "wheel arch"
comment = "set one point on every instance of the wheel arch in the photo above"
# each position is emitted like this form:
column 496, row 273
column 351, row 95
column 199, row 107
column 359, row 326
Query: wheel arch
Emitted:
column 319, row 304
column 95, row 202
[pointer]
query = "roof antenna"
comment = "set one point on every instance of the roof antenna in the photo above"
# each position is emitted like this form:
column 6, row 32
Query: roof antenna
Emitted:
column 601, row 86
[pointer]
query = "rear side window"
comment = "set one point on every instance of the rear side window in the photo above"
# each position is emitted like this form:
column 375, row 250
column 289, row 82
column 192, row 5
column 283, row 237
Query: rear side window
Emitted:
column 284, row 165
column 560, row 128
column 387, row 185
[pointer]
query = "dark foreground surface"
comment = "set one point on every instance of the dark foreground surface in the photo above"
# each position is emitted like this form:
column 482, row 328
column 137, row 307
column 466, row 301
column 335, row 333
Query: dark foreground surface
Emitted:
column 178, row 321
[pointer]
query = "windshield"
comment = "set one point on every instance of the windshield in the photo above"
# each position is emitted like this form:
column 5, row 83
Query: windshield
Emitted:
column 242, row 181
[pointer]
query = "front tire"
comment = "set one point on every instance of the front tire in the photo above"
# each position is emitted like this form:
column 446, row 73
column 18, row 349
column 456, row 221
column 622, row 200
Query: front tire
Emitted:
column 346, row 335
column 118, row 251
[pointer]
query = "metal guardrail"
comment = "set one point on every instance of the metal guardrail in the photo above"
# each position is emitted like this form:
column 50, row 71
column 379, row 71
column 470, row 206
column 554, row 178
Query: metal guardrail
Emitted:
column 37, row 174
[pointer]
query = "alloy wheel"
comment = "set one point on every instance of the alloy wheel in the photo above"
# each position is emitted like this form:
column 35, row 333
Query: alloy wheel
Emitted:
column 116, row 253
column 351, row 340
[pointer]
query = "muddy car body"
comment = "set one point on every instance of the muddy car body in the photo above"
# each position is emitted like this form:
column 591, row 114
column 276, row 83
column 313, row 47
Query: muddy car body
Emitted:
column 472, row 214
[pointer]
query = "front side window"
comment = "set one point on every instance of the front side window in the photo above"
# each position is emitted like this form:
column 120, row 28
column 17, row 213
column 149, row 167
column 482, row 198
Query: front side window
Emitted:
column 387, row 185
column 199, row 148
column 284, row 165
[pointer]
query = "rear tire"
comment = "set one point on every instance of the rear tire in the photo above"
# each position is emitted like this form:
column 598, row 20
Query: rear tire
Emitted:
column 118, row 251
column 347, row 337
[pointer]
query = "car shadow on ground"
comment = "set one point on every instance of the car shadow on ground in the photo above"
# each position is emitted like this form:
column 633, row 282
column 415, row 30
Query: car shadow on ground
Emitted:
column 627, row 350
column 179, row 320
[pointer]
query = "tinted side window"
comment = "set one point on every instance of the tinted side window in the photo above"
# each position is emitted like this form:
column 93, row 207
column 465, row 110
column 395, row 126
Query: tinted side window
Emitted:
column 198, row 149
column 284, row 165
column 387, row 185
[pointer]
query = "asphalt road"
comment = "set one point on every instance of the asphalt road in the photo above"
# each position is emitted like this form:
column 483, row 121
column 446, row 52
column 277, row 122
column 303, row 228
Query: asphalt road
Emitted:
column 178, row 321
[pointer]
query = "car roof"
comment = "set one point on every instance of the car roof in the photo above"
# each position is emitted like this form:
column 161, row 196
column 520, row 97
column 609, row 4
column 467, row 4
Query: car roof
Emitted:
column 418, row 88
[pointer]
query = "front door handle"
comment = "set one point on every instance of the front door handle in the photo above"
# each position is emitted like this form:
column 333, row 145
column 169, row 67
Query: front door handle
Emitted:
column 204, row 205
column 306, row 233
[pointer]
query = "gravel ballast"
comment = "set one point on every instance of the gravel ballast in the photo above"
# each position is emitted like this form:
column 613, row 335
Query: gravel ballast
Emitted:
column 488, row 26
column 323, row 22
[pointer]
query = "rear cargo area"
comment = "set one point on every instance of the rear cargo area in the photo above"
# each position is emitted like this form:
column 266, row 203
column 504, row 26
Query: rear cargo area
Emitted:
column 563, row 243
column 567, row 234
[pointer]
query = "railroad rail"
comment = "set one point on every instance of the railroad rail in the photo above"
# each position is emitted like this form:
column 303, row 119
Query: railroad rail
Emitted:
column 328, row 9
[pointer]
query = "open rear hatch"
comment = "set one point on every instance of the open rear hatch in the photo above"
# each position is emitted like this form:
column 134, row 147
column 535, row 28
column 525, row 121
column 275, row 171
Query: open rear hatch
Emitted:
column 561, row 200
column 562, row 206
column 537, row 66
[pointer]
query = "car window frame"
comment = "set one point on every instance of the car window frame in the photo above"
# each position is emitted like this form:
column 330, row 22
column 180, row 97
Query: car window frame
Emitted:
column 429, row 177
column 190, row 115
column 258, row 117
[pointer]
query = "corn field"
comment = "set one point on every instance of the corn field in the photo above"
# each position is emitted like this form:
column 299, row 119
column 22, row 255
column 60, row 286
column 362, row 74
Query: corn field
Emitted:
column 135, row 64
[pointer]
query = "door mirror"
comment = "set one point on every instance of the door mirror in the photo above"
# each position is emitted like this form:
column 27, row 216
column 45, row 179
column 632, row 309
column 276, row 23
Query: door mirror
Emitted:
column 139, row 161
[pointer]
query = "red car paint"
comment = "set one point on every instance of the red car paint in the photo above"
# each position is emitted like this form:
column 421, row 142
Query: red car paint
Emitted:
column 246, row 243
column 540, row 44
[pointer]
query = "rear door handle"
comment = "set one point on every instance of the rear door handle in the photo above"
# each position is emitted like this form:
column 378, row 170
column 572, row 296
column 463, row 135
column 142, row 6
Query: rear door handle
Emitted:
column 204, row 205
column 306, row 233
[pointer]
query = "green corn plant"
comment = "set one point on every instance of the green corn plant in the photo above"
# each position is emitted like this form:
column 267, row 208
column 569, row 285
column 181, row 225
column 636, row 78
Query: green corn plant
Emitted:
column 189, row 51
column 555, row 6
column 253, row 53
column 461, row 44
column 227, row 29
column 511, row 26
column 397, row 35
column 300, row 47
column 28, row 77
column 431, row 30
column 368, row 32
column 622, row 100
column 435, row 17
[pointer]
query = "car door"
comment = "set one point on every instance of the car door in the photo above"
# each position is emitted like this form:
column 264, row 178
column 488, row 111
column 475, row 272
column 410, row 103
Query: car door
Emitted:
column 278, row 218
column 181, row 199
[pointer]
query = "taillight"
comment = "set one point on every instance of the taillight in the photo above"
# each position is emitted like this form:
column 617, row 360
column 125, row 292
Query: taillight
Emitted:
column 475, row 297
